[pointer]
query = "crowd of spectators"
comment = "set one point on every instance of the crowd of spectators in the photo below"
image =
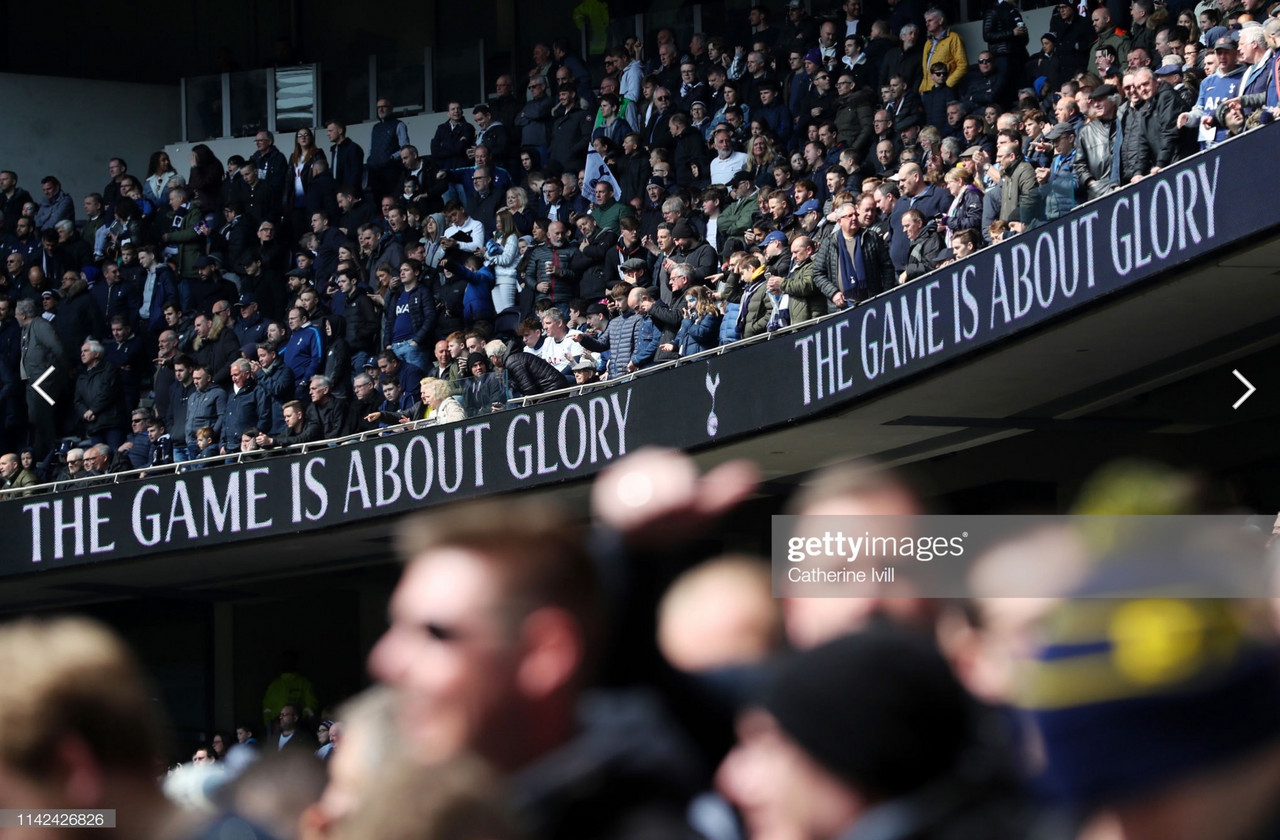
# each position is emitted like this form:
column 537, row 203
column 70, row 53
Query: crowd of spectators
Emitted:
column 662, row 203
column 543, row 681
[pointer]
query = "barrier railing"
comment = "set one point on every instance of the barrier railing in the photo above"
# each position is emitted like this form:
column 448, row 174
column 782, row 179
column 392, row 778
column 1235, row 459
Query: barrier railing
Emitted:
column 1116, row 243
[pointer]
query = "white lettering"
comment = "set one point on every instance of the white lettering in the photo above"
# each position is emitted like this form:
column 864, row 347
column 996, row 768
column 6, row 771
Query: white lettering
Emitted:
column 620, row 413
column 152, row 535
column 428, row 468
column 95, row 544
column 597, row 430
column 477, row 432
column 181, row 499
column 230, row 510
column 870, row 348
column 356, row 482
column 572, row 462
column 75, row 525
column 386, row 457
column 37, row 532
column 317, row 488
column 525, row 468
column 442, row 460
column 803, row 345
column 252, row 497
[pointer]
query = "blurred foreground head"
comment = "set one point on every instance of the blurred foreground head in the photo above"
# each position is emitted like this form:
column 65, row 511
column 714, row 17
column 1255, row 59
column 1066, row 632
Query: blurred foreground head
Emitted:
column 78, row 727
column 492, row 628
column 851, row 489
column 1156, row 712
column 865, row 735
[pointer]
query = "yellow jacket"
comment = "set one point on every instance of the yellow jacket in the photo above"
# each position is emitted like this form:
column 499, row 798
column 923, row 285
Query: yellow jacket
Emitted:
column 950, row 51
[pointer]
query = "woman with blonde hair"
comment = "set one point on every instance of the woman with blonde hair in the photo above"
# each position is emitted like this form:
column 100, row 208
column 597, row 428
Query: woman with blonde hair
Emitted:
column 700, row 329
column 437, row 394
column 965, row 212
column 517, row 203
column 760, row 161
column 504, row 256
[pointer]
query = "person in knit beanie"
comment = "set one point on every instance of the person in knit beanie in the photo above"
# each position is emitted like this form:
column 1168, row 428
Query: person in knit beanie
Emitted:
column 868, row 735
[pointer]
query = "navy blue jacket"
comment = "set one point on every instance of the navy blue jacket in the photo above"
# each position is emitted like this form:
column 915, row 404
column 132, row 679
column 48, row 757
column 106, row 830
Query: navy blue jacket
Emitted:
column 251, row 407
column 422, row 312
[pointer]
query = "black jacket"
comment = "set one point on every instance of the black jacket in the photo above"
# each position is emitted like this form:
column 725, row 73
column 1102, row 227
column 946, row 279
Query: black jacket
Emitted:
column 346, row 163
column 216, row 355
column 998, row 26
column 334, row 417
column 98, row 390
column 875, row 257
column 627, row 774
column 450, row 144
column 926, row 251
column 690, row 149
column 529, row 374
column 589, row 264
column 570, row 131
column 363, row 322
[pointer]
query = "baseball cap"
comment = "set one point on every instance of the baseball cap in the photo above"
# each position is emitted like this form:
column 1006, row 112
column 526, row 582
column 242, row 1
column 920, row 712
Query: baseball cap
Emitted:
column 1059, row 130
column 810, row 206
column 775, row 236
column 246, row 299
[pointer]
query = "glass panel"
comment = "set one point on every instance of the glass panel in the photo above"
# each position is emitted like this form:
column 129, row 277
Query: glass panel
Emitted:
column 403, row 82
column 296, row 98
column 344, row 82
column 667, row 14
column 248, row 103
column 457, row 74
column 204, row 108
column 620, row 29
column 483, row 396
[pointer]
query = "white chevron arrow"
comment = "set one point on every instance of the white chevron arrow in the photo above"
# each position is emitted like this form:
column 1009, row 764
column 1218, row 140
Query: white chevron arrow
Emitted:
column 1247, row 384
column 39, row 390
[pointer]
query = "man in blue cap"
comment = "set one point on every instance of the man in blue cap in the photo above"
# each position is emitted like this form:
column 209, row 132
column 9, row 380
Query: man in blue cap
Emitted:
column 250, row 327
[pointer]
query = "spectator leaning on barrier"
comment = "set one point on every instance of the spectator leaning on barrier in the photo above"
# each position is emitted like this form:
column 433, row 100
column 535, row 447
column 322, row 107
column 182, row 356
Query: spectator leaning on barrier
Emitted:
column 206, row 408
column 1058, row 182
column 1095, row 145
column 247, row 406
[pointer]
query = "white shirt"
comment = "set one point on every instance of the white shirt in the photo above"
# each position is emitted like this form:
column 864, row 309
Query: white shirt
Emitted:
column 474, row 229
column 723, row 169
column 561, row 354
